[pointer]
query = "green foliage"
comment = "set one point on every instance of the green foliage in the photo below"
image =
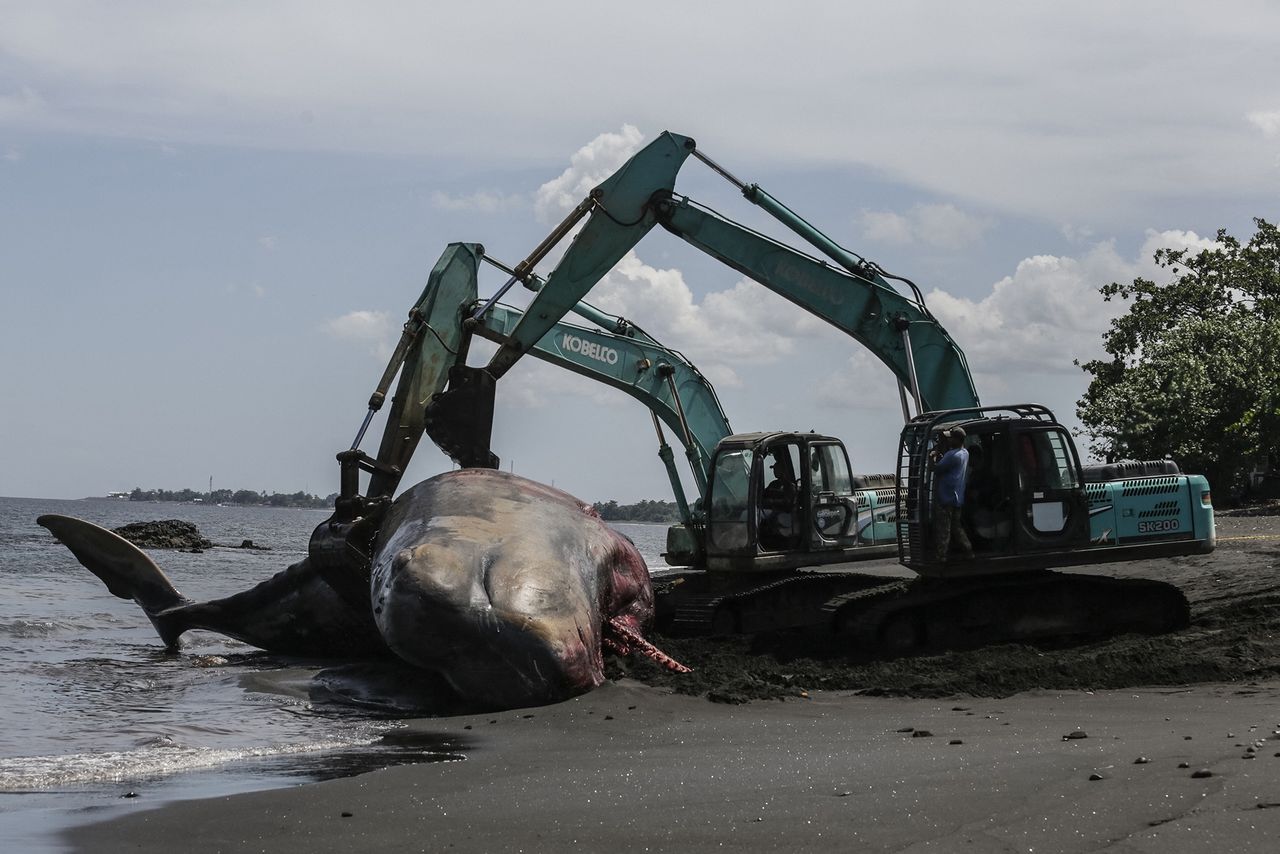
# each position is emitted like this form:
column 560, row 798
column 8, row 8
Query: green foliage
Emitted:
column 1194, row 365
column 227, row 496
column 643, row 511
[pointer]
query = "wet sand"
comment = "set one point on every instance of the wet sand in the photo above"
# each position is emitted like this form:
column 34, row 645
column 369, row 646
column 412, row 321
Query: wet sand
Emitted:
column 631, row 767
column 833, row 762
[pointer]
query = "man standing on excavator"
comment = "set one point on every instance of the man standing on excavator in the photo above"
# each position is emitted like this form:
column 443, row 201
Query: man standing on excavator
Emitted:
column 949, row 469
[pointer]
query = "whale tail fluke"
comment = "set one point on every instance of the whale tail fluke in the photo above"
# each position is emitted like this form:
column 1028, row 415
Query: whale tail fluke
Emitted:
column 126, row 570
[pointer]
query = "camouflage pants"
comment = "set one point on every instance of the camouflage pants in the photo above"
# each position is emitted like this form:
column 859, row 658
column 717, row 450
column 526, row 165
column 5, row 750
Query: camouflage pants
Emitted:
column 947, row 529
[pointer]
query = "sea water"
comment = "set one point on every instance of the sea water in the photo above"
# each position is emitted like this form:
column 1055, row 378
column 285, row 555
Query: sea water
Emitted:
column 96, row 718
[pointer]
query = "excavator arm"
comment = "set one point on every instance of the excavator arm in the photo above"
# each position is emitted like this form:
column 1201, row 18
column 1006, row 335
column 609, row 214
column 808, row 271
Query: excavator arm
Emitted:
column 851, row 294
column 433, row 346
column 899, row 331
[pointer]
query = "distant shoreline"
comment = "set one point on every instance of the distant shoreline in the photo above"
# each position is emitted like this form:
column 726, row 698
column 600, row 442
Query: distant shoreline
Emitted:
column 146, row 501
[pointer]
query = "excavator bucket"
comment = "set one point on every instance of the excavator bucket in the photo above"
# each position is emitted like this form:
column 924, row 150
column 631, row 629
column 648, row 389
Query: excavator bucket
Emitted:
column 460, row 420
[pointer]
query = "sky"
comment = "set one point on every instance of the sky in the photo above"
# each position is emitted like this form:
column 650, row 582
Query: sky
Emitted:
column 214, row 216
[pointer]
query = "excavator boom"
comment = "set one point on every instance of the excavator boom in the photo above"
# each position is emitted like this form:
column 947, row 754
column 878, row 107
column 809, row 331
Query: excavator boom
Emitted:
column 851, row 294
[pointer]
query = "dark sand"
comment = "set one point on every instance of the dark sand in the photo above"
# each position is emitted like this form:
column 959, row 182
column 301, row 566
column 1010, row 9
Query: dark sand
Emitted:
column 829, row 762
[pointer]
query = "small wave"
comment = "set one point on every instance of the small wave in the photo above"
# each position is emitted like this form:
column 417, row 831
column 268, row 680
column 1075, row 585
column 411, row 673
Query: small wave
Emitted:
column 46, row 772
column 21, row 628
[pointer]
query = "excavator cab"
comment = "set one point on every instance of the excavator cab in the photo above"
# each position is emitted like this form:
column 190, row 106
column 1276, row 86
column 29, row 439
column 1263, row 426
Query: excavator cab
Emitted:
column 1029, row 504
column 785, row 500
column 1024, row 490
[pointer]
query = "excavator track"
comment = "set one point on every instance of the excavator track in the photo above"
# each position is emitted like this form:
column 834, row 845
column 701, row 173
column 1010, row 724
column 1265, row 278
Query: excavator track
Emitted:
column 865, row 616
column 700, row 604
column 1045, row 607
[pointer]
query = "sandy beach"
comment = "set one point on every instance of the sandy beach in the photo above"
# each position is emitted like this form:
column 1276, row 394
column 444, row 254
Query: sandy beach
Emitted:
column 633, row 768
column 1003, row 749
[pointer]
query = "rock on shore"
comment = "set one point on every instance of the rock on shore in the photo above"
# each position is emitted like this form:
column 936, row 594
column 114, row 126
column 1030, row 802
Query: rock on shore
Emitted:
column 166, row 534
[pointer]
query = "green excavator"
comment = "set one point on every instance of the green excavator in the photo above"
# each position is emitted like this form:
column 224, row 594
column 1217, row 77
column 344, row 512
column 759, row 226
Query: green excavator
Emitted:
column 1034, row 505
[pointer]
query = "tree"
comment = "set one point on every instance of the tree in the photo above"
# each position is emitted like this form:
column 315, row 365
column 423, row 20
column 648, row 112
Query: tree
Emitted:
column 1194, row 365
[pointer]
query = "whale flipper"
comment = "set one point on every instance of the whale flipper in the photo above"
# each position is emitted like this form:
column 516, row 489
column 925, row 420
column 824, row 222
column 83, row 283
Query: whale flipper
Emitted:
column 126, row 570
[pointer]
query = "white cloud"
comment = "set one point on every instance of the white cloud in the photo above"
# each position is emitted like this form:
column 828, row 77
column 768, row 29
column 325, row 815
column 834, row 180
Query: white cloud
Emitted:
column 941, row 225
column 481, row 201
column 372, row 329
column 971, row 112
column 12, row 154
column 1267, row 121
column 985, row 115
column 1049, row 312
column 743, row 325
column 268, row 242
column 588, row 166
column 948, row 226
column 1076, row 233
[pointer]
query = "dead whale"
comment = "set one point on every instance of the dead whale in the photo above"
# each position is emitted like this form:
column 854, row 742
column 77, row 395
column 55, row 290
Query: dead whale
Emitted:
column 506, row 588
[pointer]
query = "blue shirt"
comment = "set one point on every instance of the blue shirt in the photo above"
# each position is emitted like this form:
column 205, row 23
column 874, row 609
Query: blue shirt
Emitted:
column 948, row 476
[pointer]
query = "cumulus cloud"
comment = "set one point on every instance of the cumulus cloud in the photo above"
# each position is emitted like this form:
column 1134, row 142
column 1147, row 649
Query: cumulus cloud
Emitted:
column 588, row 166
column 375, row 330
column 1038, row 320
column 940, row 225
column 481, row 201
column 742, row 325
column 1048, row 312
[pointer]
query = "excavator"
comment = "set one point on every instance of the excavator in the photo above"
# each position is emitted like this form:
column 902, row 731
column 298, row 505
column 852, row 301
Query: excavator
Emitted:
column 1033, row 505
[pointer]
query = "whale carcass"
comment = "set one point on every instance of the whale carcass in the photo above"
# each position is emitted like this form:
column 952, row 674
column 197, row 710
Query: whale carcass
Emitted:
column 507, row 588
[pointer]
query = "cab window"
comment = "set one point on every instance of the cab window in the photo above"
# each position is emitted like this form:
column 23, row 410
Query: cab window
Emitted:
column 1045, row 461
column 829, row 470
column 730, row 499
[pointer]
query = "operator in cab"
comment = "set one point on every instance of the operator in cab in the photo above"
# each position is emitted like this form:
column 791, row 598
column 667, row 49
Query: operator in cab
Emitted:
column 778, row 504
column 950, row 464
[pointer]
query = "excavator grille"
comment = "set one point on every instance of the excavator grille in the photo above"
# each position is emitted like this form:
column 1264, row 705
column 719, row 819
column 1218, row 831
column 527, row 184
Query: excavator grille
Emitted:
column 1096, row 493
column 1151, row 486
column 1162, row 509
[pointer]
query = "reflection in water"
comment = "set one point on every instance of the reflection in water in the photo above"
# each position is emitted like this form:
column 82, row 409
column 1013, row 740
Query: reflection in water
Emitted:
column 397, row 747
